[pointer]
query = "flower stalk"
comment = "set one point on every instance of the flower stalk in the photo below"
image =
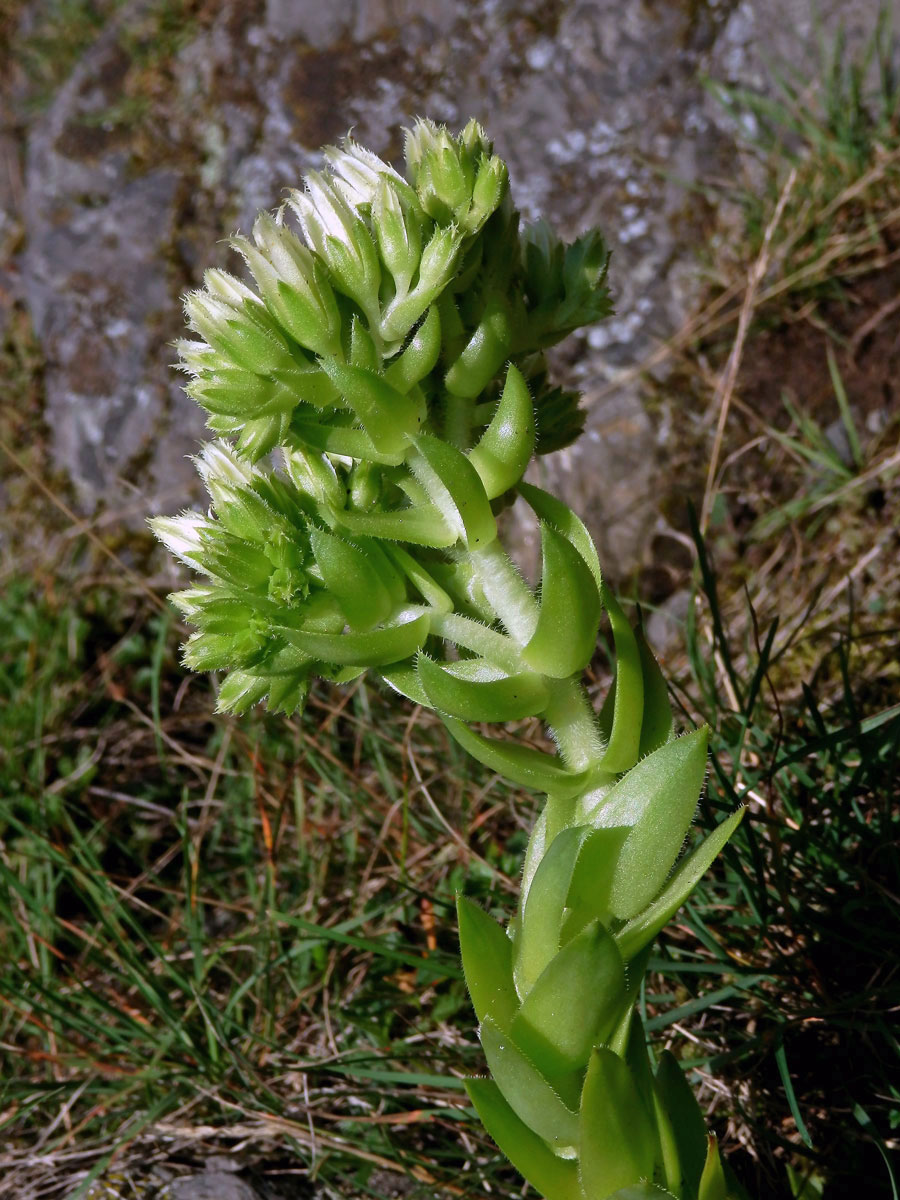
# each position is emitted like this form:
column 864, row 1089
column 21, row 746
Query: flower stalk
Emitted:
column 377, row 400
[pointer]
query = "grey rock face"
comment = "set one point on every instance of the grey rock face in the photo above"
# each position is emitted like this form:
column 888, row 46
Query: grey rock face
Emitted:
column 210, row 1185
column 151, row 152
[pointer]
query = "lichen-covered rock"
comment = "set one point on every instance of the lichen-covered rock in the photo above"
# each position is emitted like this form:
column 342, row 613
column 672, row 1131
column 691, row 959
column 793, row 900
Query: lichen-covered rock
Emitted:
column 169, row 134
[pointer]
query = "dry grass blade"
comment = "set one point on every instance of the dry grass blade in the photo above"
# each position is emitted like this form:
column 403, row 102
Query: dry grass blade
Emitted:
column 722, row 401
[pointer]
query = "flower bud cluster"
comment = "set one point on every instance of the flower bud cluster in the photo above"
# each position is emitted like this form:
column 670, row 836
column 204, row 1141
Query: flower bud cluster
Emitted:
column 379, row 388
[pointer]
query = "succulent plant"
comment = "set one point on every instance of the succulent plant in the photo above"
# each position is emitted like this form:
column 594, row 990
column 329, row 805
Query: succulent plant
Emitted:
column 377, row 399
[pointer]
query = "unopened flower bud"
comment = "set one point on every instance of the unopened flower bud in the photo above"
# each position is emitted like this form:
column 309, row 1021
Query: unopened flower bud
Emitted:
column 293, row 285
column 437, row 266
column 491, row 184
column 340, row 238
column 234, row 334
column 398, row 232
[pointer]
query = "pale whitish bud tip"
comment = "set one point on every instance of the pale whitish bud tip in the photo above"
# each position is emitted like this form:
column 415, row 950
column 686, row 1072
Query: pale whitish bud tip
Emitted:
column 227, row 287
column 181, row 535
column 335, row 217
column 218, row 462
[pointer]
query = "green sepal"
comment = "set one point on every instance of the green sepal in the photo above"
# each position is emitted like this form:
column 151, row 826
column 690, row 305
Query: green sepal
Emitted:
column 563, row 641
column 239, row 691
column 487, row 963
column 656, row 800
column 543, row 908
column 527, row 1091
column 552, row 1177
column 222, row 651
column 485, row 351
column 396, row 221
column 420, row 524
column 287, row 693
column 363, row 351
column 419, row 357
column 454, row 486
column 713, row 1185
column 574, row 1004
column 311, row 385
column 376, row 648
column 236, row 392
column 618, row 1143
column 506, row 446
column 520, row 764
column 351, row 576
column 388, row 416
column 456, row 689
column 633, row 936
column 238, row 335
column 684, row 1118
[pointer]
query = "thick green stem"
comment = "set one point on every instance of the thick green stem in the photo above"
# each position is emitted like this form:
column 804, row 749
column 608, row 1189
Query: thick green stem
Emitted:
column 506, row 591
column 573, row 724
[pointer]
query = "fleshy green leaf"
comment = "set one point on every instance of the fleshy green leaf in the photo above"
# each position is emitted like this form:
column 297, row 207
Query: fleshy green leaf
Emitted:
column 419, row 357
column 373, row 649
column 713, row 1185
column 523, row 765
column 405, row 680
column 644, row 927
column 627, row 699
column 454, row 486
column 432, row 593
column 485, row 352
column 575, row 1002
column 538, row 935
column 640, row 1191
column 553, row 1177
column 569, row 616
column 506, row 446
column 561, row 517
column 684, row 1117
column 526, row 1090
column 636, row 1056
column 351, row 576
column 421, row 525
column 618, row 1144
column 589, row 894
column 389, row 416
column 335, row 438
column 456, row 689
column 487, row 963
column 656, row 725
column 657, row 799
